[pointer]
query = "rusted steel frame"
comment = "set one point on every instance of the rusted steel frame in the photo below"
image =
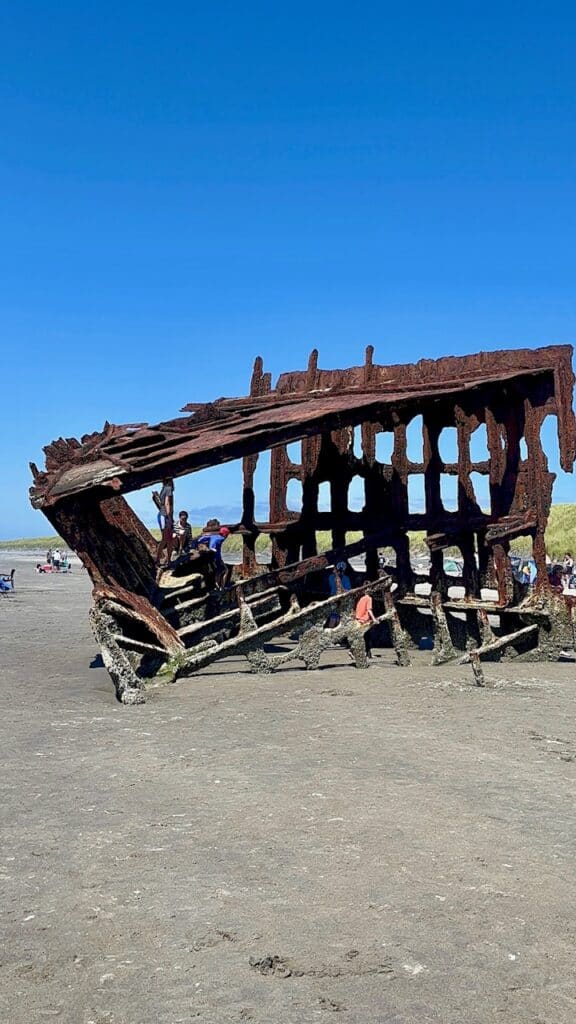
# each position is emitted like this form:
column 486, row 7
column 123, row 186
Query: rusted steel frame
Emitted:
column 503, row 569
column 118, row 552
column 511, row 392
column 222, row 440
column 362, row 521
column 566, row 420
column 508, row 527
column 204, row 600
column 229, row 617
column 539, row 484
column 444, row 649
column 140, row 611
column 260, row 385
column 138, row 645
column 452, row 533
column 129, row 687
column 284, row 398
column 288, row 574
column 555, row 359
column 459, row 370
column 467, row 420
column 479, row 677
column 500, row 643
column 203, row 444
column 497, row 363
column 315, row 640
column 107, row 533
column 192, row 660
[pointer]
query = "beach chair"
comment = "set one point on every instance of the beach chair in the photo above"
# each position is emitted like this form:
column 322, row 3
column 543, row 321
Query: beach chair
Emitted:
column 7, row 582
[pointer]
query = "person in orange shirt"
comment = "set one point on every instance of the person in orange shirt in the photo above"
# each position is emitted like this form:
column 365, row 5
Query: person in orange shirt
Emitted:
column 364, row 616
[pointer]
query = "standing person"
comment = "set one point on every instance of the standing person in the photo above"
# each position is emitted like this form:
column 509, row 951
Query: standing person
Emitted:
column 364, row 616
column 165, row 504
column 339, row 579
column 56, row 559
column 49, row 556
column 338, row 582
column 567, row 568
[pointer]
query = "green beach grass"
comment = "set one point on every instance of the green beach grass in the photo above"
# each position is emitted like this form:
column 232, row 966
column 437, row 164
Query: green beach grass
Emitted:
column 560, row 537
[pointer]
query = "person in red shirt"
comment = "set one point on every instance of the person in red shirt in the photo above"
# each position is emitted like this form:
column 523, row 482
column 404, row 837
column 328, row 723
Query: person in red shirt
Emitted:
column 364, row 616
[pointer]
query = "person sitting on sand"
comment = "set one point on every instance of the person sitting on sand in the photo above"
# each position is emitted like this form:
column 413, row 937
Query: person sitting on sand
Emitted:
column 165, row 504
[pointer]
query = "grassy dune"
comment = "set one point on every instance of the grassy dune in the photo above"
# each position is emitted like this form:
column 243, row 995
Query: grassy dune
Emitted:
column 32, row 544
column 561, row 532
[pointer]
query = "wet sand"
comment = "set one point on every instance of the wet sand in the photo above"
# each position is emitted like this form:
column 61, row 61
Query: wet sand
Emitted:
column 403, row 843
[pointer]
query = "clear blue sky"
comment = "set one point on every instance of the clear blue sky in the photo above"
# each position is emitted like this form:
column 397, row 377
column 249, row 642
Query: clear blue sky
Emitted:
column 184, row 186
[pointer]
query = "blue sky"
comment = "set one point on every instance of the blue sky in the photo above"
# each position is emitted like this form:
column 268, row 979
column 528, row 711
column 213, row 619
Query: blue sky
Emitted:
column 185, row 186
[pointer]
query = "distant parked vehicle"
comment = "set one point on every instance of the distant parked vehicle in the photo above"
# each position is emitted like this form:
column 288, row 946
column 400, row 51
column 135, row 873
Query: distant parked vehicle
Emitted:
column 453, row 567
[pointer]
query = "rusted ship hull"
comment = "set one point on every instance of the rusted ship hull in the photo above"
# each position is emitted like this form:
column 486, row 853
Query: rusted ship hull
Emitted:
column 151, row 629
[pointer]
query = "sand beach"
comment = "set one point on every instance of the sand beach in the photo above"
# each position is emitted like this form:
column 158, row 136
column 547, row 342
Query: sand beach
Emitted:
column 388, row 846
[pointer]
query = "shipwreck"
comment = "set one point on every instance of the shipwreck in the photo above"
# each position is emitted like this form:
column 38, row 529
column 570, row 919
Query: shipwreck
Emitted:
column 153, row 628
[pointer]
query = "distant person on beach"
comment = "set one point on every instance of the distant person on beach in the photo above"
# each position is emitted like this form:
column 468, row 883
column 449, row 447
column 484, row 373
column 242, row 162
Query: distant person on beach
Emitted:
column 567, row 568
column 49, row 556
column 165, row 504
column 182, row 534
column 56, row 560
column 364, row 616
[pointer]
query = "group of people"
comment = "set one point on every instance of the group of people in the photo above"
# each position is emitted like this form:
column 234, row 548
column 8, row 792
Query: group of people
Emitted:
column 560, row 574
column 56, row 561
column 176, row 535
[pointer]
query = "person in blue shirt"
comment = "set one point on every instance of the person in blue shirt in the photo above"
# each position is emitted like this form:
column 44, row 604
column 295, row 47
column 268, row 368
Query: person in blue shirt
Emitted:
column 214, row 542
column 338, row 582
column 339, row 573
